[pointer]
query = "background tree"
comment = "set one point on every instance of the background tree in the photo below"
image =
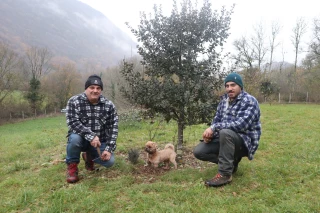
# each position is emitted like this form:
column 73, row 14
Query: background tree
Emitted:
column 61, row 84
column 298, row 31
column 311, row 64
column 37, row 64
column 258, row 43
column 244, row 56
column 267, row 89
column 275, row 30
column 9, row 62
column 315, row 43
column 181, row 58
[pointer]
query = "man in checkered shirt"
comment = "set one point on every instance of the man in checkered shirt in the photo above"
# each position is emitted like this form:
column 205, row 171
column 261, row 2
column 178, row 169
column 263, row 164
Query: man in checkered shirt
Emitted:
column 93, row 129
column 234, row 132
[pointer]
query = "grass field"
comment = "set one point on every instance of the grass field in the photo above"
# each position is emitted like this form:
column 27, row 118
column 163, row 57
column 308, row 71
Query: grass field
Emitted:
column 283, row 177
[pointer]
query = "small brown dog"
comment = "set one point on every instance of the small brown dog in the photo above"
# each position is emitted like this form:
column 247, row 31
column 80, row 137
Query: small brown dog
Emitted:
column 166, row 155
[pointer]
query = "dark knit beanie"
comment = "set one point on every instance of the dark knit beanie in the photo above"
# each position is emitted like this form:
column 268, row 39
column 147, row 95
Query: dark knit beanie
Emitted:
column 94, row 80
column 234, row 77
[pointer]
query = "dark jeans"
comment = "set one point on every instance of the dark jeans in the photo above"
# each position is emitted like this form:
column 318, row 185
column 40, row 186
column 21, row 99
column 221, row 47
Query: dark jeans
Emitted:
column 224, row 151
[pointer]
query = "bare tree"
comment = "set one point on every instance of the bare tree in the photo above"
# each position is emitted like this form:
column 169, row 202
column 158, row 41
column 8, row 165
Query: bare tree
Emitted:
column 245, row 54
column 275, row 30
column 251, row 50
column 37, row 60
column 298, row 31
column 9, row 61
column 315, row 44
column 258, row 43
column 61, row 84
column 282, row 61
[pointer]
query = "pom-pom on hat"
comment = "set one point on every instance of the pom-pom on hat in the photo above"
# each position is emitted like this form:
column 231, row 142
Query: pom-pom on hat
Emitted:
column 94, row 80
column 234, row 77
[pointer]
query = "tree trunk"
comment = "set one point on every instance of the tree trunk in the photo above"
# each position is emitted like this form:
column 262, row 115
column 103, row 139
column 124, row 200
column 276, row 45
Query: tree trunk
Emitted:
column 180, row 133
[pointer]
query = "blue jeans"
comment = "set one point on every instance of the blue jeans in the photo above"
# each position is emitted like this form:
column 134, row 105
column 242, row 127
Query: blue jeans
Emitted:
column 77, row 144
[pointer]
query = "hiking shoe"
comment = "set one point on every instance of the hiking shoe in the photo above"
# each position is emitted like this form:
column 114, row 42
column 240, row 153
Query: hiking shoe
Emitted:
column 72, row 173
column 88, row 161
column 219, row 180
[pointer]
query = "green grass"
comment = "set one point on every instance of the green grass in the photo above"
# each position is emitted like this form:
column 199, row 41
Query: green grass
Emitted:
column 283, row 177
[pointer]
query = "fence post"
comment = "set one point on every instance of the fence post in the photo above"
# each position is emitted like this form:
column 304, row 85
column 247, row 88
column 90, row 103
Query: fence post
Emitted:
column 290, row 98
column 279, row 97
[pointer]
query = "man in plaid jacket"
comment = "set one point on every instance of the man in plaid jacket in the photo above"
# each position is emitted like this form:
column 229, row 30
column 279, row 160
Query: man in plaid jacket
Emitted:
column 234, row 132
column 93, row 129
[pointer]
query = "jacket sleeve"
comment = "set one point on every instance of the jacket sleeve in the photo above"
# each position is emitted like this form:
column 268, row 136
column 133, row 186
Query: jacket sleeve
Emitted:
column 113, row 124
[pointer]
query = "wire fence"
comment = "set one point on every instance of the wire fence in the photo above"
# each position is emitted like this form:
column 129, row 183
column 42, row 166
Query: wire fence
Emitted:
column 10, row 114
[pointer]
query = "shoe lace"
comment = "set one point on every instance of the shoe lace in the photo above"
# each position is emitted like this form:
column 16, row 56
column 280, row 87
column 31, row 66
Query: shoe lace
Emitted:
column 217, row 177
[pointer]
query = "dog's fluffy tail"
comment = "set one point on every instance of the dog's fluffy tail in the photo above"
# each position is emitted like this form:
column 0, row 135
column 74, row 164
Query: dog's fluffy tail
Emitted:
column 169, row 146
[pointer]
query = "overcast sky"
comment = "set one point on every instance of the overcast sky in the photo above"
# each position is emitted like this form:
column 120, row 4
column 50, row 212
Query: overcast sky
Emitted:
column 247, row 13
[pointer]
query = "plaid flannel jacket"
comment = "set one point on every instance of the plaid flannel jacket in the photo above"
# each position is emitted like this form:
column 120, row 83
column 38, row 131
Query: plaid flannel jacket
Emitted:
column 242, row 116
column 90, row 120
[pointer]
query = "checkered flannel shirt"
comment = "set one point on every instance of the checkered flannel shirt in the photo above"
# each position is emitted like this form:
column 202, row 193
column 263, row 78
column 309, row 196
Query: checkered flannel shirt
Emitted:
column 90, row 120
column 242, row 116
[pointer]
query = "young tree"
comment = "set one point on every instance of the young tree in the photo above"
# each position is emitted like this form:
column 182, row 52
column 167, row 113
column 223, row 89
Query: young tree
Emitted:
column 33, row 95
column 181, row 58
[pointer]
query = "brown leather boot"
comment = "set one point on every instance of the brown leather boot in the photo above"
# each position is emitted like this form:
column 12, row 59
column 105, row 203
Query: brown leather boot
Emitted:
column 88, row 161
column 72, row 173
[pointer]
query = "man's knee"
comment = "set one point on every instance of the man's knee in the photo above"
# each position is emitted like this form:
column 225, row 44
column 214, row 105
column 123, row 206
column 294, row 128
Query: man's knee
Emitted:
column 228, row 135
column 197, row 152
column 108, row 163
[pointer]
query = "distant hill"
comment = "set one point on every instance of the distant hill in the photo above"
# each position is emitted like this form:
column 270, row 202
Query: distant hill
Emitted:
column 68, row 28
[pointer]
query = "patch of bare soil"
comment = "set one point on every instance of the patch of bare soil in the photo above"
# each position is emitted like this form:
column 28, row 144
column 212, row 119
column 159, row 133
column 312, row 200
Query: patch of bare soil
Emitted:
column 144, row 173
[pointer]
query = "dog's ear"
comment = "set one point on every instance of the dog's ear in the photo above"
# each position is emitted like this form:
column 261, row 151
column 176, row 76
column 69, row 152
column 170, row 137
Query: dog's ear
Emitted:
column 153, row 144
